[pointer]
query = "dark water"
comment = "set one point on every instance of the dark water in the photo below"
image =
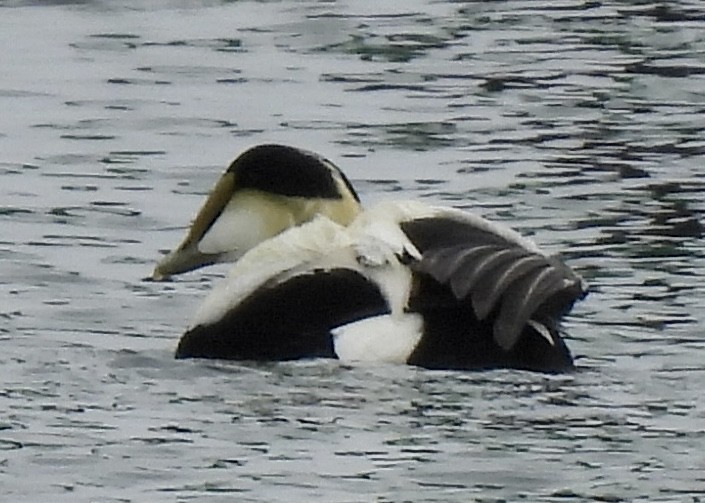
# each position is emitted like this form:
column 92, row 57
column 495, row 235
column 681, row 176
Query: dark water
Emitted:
column 578, row 122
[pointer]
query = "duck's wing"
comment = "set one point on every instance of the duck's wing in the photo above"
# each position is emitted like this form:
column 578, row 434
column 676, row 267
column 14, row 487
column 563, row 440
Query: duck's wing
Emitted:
column 505, row 277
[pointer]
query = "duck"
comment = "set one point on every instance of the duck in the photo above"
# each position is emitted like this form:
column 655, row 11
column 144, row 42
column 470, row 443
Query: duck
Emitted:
column 316, row 275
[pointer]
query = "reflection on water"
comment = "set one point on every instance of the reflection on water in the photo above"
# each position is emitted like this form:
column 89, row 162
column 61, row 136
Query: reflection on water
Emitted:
column 577, row 122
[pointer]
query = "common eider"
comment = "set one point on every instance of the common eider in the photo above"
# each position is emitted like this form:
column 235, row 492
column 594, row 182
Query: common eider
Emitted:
column 315, row 275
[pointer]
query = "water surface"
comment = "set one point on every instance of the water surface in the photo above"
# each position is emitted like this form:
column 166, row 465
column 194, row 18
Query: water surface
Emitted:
column 578, row 123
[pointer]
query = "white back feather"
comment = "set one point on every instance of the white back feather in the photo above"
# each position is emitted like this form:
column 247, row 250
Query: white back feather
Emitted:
column 320, row 241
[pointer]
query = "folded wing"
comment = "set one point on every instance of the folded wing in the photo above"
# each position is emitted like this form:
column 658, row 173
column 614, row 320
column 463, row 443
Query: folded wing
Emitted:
column 503, row 276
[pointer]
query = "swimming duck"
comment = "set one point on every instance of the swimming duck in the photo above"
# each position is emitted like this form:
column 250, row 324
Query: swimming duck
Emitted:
column 315, row 275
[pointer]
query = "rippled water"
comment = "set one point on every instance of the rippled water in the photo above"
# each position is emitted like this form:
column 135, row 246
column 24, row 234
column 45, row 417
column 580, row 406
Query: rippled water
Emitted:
column 578, row 122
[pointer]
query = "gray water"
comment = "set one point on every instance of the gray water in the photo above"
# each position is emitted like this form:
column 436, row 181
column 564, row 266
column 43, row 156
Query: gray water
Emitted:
column 579, row 123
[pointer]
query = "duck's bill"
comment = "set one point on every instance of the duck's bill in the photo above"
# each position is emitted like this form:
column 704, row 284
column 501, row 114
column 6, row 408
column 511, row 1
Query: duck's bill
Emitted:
column 188, row 256
column 180, row 261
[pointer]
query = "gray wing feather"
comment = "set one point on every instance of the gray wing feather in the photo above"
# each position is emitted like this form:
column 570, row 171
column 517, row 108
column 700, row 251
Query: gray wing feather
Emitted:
column 520, row 303
column 497, row 275
column 492, row 285
column 444, row 263
column 469, row 272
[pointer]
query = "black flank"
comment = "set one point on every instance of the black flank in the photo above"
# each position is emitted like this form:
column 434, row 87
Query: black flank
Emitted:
column 287, row 321
column 454, row 339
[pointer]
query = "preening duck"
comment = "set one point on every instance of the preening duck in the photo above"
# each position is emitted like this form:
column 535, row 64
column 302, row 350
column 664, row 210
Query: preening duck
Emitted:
column 315, row 275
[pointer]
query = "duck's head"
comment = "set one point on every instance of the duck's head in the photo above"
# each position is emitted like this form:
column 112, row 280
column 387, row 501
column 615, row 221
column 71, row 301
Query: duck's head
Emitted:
column 266, row 190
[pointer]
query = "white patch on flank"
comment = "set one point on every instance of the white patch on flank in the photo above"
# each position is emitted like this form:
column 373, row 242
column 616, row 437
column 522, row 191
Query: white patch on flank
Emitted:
column 386, row 338
column 542, row 330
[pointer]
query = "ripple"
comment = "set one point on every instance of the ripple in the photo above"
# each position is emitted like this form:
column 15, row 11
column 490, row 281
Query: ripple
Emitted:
column 578, row 123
